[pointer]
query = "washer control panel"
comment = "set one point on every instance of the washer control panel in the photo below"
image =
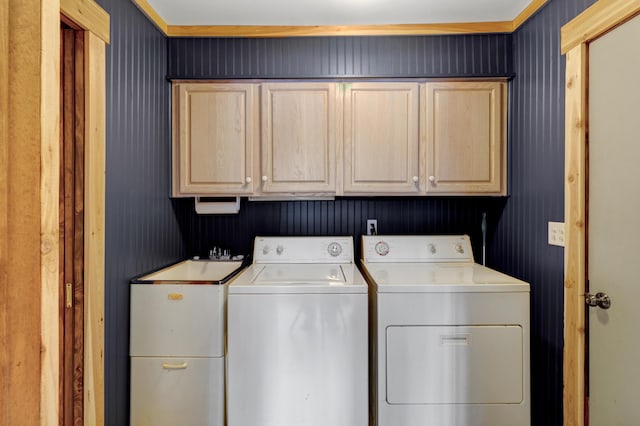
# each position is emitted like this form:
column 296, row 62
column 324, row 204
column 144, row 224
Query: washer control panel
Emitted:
column 303, row 250
column 416, row 248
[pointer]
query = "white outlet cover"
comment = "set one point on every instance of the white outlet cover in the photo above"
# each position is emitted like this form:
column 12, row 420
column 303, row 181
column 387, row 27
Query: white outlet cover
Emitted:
column 370, row 223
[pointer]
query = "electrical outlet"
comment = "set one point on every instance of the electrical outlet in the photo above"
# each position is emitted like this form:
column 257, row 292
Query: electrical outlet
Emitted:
column 372, row 226
column 556, row 234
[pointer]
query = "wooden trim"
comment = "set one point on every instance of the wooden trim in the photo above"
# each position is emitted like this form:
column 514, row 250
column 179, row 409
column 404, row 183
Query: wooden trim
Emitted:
column 88, row 15
column 28, row 209
column 601, row 17
column 575, row 249
column 261, row 31
column 153, row 16
column 527, row 13
column 598, row 19
column 49, row 212
column 94, row 251
column 5, row 359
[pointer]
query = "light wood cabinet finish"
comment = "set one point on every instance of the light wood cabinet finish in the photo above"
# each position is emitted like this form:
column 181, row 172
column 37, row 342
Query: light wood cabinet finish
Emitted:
column 299, row 134
column 273, row 139
column 214, row 138
column 381, row 138
column 466, row 135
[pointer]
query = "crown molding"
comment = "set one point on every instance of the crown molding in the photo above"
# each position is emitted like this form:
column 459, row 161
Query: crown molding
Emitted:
column 263, row 31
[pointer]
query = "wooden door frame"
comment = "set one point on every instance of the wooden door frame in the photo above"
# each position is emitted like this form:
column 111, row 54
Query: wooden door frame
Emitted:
column 29, row 197
column 597, row 20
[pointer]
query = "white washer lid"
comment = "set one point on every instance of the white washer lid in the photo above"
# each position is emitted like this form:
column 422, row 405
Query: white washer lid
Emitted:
column 299, row 278
column 440, row 278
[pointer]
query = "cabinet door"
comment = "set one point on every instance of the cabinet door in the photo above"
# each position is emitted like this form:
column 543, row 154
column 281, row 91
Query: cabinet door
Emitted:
column 214, row 131
column 381, row 152
column 466, row 133
column 298, row 137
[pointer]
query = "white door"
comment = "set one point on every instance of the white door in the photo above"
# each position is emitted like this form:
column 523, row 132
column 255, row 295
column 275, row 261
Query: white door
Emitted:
column 614, row 226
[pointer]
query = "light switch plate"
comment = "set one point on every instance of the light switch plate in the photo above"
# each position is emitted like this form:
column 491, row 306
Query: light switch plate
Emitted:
column 556, row 234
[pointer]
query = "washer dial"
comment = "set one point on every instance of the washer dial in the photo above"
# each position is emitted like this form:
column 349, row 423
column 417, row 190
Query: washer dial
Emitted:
column 334, row 249
column 382, row 248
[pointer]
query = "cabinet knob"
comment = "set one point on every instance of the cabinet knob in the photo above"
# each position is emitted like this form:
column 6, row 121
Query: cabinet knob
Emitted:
column 432, row 179
column 415, row 179
column 248, row 179
column 264, row 178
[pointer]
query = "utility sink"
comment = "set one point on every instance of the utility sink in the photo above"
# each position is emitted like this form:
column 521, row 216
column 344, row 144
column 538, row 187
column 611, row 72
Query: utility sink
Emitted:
column 194, row 272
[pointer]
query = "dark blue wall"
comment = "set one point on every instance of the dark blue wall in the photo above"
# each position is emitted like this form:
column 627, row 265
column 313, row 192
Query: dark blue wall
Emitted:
column 536, row 166
column 344, row 216
column 141, row 227
column 309, row 57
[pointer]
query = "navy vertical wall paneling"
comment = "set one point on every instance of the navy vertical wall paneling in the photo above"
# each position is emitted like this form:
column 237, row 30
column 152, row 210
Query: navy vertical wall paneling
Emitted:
column 487, row 55
column 142, row 230
column 344, row 216
column 537, row 195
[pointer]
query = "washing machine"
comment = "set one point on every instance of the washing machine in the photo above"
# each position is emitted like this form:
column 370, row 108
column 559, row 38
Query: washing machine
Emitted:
column 297, row 336
column 449, row 337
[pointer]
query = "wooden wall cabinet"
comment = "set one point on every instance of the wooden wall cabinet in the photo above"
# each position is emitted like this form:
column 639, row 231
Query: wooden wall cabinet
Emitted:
column 306, row 139
column 381, row 138
column 214, row 140
column 466, row 137
column 299, row 137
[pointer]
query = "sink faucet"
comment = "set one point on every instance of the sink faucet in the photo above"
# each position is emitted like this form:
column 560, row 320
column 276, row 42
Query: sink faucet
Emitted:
column 218, row 253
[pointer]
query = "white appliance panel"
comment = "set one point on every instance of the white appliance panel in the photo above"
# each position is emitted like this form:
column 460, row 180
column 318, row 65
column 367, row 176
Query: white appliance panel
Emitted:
column 303, row 250
column 416, row 248
column 177, row 391
column 168, row 320
column 301, row 274
column 452, row 308
column 297, row 360
column 440, row 278
column 272, row 278
column 454, row 365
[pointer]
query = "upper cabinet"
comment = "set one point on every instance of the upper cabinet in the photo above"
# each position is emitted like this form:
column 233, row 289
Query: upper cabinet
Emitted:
column 381, row 138
column 215, row 129
column 466, row 137
column 299, row 134
column 294, row 138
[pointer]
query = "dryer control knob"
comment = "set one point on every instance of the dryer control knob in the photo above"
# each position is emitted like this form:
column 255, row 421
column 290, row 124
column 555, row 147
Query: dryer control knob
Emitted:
column 459, row 248
column 266, row 250
column 382, row 248
column 279, row 249
column 432, row 248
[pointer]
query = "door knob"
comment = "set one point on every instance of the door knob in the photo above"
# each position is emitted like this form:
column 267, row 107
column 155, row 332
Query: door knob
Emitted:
column 601, row 300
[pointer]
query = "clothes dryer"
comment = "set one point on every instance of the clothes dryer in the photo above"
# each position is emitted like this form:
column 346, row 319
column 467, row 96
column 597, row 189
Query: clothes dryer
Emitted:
column 449, row 338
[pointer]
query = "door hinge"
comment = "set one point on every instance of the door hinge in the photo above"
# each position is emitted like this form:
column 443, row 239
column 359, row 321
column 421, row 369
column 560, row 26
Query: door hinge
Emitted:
column 69, row 295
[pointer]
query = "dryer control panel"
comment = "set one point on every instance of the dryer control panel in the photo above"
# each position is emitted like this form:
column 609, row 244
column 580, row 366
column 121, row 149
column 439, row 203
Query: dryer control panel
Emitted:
column 416, row 248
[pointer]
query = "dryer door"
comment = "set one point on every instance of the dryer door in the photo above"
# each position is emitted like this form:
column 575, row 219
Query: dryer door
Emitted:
column 455, row 364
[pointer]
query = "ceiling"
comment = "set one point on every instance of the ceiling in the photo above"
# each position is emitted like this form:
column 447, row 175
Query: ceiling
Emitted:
column 334, row 12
